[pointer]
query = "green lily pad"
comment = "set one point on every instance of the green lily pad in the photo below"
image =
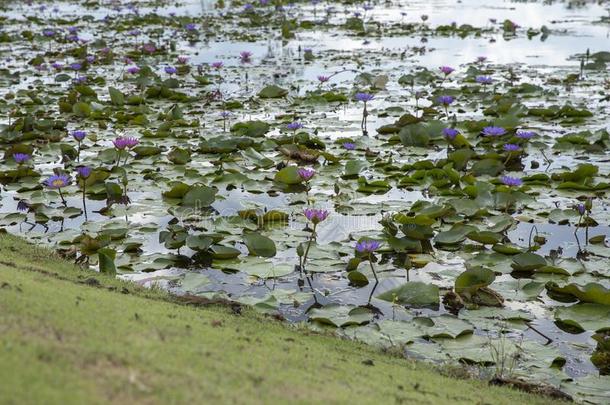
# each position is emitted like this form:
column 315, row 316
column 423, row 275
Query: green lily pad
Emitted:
column 582, row 317
column 473, row 279
column 272, row 91
column 341, row 315
column 259, row 245
column 414, row 293
column 288, row 175
column 194, row 282
column 199, row 196
column 592, row 292
column 528, row 262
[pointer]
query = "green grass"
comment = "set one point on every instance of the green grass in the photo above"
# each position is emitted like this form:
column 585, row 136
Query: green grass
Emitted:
column 65, row 338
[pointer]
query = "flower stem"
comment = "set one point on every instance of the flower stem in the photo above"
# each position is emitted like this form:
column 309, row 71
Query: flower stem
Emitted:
column 313, row 234
column 84, row 201
column 372, row 267
column 62, row 196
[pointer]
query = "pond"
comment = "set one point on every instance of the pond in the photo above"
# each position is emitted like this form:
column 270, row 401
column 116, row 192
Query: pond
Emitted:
column 429, row 175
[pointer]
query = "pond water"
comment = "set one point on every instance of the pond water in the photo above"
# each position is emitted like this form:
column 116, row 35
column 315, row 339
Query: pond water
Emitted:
column 209, row 202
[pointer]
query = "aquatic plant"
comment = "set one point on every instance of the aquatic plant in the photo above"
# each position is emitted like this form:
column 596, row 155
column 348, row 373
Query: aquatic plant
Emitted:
column 79, row 136
column 525, row 134
column 484, row 80
column 121, row 143
column 364, row 98
column 493, row 131
column 245, row 56
column 294, row 127
column 315, row 216
column 225, row 117
column 84, row 172
column 367, row 248
column 511, row 181
column 445, row 101
column 450, row 133
column 446, row 70
column 21, row 158
column 57, row 182
column 306, row 173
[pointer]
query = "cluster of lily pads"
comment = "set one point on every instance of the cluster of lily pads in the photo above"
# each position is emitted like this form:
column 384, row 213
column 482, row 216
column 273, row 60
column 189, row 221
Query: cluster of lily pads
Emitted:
column 440, row 209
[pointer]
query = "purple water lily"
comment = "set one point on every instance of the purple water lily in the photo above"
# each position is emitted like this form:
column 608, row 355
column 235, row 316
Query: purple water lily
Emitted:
column 525, row 134
column 83, row 172
column 23, row 206
column 323, row 79
column 57, row 182
column 511, row 181
column 367, row 246
column 493, row 131
column 78, row 135
column 315, row 215
column 349, row 145
column 445, row 100
column 191, row 27
column 484, row 80
column 123, row 142
column 293, row 126
column 511, row 147
column 364, row 97
column 450, row 133
column 217, row 65
column 182, row 59
column 306, row 173
column 245, row 56
column 581, row 209
column 447, row 70
column 170, row 70
column 149, row 48
column 21, row 158
column 133, row 70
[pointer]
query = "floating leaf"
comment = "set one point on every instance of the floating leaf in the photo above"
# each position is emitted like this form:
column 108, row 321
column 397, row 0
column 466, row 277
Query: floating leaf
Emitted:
column 413, row 293
column 582, row 317
column 528, row 262
column 199, row 196
column 259, row 245
column 341, row 315
column 272, row 91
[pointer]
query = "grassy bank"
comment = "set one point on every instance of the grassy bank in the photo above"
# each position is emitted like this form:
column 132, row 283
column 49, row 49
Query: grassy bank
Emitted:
column 73, row 336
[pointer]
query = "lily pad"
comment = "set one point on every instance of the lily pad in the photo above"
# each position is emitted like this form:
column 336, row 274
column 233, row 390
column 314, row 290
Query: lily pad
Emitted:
column 414, row 293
